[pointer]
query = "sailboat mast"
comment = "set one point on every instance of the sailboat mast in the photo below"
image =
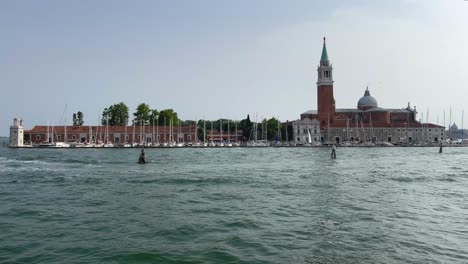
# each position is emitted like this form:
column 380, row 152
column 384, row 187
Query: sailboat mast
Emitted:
column 357, row 127
column 65, row 134
column 96, row 138
column 347, row 129
column 287, row 139
column 256, row 127
column 133, row 136
column 279, row 131
column 450, row 122
column 444, row 122
column 236, row 130
column 463, row 111
column 125, row 139
column 107, row 129
column 48, row 135
column 196, row 131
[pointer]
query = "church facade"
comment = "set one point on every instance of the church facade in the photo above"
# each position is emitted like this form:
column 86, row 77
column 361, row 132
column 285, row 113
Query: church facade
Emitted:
column 367, row 122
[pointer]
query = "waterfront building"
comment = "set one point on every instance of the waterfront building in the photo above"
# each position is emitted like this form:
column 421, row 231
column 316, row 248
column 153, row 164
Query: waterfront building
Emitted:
column 216, row 136
column 455, row 133
column 115, row 134
column 306, row 131
column 367, row 122
column 17, row 133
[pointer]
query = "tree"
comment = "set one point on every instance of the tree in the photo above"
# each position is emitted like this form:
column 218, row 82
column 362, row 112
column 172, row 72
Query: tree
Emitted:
column 165, row 117
column 78, row 119
column 246, row 126
column 142, row 114
column 272, row 127
column 117, row 115
column 153, row 118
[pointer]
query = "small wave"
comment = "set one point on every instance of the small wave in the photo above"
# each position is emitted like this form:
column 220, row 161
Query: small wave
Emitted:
column 446, row 179
column 332, row 260
column 221, row 256
column 199, row 180
column 244, row 223
column 408, row 179
column 144, row 181
column 140, row 257
column 26, row 161
column 179, row 233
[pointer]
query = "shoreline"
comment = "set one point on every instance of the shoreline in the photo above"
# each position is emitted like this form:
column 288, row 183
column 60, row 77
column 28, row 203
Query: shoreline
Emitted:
column 218, row 147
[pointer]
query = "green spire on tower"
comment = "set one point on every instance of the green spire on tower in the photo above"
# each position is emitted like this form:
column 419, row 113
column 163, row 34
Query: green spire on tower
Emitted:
column 324, row 52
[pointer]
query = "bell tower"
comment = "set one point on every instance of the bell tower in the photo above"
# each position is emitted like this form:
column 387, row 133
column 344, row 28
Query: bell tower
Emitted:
column 325, row 99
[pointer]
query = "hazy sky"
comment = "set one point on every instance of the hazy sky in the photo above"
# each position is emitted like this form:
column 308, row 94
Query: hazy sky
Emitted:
column 213, row 59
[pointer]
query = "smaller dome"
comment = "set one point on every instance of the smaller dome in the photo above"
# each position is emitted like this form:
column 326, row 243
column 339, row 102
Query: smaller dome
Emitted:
column 367, row 101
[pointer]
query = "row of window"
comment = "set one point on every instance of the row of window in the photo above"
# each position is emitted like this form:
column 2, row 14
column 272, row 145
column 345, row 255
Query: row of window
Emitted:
column 390, row 130
column 59, row 137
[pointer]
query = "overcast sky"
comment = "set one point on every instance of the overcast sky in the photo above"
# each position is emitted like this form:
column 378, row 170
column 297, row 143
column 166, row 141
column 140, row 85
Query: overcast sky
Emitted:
column 226, row 59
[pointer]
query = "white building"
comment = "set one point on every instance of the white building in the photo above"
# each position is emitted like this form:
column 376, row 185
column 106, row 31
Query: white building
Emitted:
column 306, row 131
column 17, row 133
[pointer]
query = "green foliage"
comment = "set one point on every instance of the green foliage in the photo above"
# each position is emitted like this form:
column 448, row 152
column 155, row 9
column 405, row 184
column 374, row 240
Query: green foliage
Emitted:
column 75, row 120
column 272, row 129
column 117, row 115
column 142, row 115
column 78, row 119
column 246, row 126
column 165, row 117
column 153, row 118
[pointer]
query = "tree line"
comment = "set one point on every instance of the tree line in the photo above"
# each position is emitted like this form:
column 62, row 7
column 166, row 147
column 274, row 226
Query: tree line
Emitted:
column 118, row 115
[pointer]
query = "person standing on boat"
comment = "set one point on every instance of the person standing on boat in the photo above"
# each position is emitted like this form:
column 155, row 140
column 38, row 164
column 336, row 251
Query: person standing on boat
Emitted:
column 333, row 153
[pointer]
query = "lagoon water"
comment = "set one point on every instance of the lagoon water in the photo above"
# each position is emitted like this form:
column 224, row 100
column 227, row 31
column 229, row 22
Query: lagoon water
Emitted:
column 239, row 205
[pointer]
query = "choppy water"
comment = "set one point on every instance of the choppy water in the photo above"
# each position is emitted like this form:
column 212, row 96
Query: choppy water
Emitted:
column 262, row 205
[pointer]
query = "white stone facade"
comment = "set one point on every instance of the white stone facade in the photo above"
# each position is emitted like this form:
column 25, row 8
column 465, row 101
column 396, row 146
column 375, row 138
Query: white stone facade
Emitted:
column 305, row 127
column 394, row 135
column 17, row 133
